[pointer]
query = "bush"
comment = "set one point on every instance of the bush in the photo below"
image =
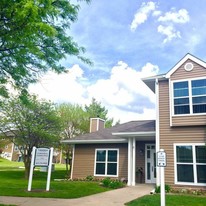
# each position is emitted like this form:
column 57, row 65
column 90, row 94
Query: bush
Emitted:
column 114, row 184
column 106, row 181
column 167, row 189
column 89, row 178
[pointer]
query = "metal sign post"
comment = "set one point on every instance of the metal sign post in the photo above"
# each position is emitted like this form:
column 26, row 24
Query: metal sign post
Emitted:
column 41, row 157
column 162, row 163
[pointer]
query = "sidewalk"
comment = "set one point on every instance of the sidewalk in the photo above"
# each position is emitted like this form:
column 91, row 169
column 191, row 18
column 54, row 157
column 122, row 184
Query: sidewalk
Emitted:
column 112, row 198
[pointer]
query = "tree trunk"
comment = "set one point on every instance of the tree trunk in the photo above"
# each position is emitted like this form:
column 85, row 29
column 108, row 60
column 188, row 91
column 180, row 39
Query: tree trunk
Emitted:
column 27, row 163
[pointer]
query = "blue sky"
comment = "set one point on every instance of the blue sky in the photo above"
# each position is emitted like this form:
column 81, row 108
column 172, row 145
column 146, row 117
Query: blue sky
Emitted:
column 126, row 40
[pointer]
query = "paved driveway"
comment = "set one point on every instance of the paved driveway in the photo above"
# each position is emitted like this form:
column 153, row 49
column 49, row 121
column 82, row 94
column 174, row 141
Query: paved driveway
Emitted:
column 111, row 198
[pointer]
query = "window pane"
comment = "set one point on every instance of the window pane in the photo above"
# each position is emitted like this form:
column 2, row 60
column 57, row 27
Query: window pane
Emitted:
column 199, row 100
column 181, row 89
column 199, row 83
column 182, row 109
column 199, row 91
column 100, row 168
column 181, row 93
column 180, row 85
column 112, row 156
column 101, row 155
column 185, row 173
column 201, row 154
column 199, row 108
column 112, row 169
column 148, row 171
column 184, row 154
column 201, row 173
column 180, row 101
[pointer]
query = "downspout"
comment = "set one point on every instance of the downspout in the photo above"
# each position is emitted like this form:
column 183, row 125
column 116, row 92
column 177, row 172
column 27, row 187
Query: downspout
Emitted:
column 157, row 137
column 72, row 169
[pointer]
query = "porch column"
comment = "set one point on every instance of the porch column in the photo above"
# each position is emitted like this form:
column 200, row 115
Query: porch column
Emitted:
column 129, row 183
column 133, row 161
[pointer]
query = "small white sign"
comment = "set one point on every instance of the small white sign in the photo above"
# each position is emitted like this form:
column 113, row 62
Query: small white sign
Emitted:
column 42, row 157
column 161, row 159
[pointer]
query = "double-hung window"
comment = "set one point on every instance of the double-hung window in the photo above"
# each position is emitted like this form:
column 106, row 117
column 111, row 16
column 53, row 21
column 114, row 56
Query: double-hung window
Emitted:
column 191, row 164
column 106, row 162
column 189, row 97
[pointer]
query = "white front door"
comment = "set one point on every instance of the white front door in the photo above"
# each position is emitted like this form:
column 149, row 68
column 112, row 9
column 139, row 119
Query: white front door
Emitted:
column 150, row 163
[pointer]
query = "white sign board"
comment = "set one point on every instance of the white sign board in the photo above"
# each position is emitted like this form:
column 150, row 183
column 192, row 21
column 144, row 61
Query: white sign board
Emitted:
column 42, row 157
column 161, row 159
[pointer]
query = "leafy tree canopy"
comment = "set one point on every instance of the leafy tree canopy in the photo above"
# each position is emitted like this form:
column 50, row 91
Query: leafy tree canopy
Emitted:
column 26, row 125
column 95, row 109
column 34, row 38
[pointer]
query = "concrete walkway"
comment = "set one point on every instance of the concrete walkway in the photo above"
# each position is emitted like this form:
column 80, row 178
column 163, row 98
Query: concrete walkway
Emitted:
column 111, row 198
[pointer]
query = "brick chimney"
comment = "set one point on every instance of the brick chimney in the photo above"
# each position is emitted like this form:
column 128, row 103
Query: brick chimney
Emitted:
column 96, row 124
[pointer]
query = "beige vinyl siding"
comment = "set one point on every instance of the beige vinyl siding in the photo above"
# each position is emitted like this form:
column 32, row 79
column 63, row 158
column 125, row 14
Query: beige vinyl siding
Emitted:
column 171, row 135
column 189, row 120
column 84, row 159
column 180, row 73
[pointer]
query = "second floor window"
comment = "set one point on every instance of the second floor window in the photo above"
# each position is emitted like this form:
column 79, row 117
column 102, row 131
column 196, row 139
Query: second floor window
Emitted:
column 189, row 97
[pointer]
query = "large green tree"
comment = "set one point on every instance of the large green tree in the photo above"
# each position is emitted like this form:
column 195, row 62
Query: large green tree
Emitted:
column 95, row 109
column 27, row 125
column 34, row 38
column 75, row 121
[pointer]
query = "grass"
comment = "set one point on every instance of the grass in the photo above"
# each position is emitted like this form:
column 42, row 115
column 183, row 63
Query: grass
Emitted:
column 13, row 183
column 171, row 200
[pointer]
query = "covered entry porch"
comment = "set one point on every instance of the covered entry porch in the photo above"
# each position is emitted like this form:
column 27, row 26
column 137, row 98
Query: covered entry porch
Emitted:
column 141, row 157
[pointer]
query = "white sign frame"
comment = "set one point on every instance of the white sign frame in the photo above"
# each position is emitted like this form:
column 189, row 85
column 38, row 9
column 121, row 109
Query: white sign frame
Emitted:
column 38, row 153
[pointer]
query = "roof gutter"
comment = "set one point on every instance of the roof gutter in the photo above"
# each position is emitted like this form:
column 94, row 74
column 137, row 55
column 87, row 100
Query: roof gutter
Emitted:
column 73, row 141
column 134, row 134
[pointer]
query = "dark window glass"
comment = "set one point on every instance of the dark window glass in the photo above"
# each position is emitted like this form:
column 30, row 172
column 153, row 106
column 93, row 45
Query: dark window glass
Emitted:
column 112, row 156
column 185, row 173
column 180, row 85
column 101, row 155
column 201, row 154
column 184, row 154
column 182, row 109
column 100, row 168
column 199, row 83
column 199, row 100
column 201, row 173
column 181, row 101
column 111, row 168
column 198, row 91
column 199, row 108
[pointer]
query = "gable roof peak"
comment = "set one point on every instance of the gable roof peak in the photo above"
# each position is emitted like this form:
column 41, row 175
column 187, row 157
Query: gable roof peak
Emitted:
column 182, row 61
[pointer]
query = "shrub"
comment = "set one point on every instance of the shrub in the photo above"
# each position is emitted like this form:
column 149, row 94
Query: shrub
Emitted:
column 89, row 178
column 114, row 184
column 167, row 189
column 106, row 181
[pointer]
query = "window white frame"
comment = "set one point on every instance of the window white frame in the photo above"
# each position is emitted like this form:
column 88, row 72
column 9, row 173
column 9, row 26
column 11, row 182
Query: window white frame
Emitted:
column 106, row 162
column 193, row 145
column 190, row 96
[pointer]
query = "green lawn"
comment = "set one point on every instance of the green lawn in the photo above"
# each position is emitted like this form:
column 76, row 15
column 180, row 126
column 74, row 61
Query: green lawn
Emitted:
column 171, row 200
column 14, row 184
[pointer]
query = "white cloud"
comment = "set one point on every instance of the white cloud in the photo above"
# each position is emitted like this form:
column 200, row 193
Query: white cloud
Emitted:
column 156, row 13
column 123, row 93
column 61, row 87
column 142, row 14
column 181, row 16
column 169, row 31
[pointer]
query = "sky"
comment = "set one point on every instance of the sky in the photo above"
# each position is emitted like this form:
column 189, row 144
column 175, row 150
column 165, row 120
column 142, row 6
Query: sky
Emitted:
column 126, row 40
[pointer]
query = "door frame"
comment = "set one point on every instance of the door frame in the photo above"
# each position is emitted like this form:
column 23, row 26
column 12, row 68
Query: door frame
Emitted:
column 152, row 162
